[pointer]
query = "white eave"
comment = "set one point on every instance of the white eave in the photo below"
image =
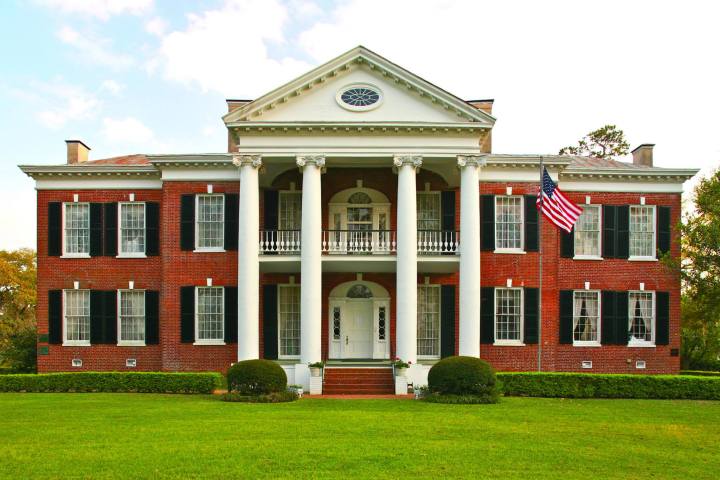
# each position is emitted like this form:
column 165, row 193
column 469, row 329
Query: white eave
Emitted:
column 44, row 171
column 649, row 174
column 193, row 160
column 373, row 127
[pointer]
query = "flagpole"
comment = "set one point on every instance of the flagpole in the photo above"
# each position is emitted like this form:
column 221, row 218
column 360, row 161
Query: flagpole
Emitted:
column 540, row 268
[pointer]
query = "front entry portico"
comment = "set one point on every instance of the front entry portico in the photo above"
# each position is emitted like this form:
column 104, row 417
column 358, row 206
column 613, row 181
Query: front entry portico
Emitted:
column 359, row 321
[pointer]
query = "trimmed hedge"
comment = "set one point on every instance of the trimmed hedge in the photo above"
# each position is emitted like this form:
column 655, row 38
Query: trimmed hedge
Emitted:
column 464, row 376
column 585, row 385
column 256, row 377
column 700, row 373
column 140, row 382
column 275, row 397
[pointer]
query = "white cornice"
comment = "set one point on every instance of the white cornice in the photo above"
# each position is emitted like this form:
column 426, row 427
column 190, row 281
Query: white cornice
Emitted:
column 651, row 174
column 372, row 127
column 44, row 171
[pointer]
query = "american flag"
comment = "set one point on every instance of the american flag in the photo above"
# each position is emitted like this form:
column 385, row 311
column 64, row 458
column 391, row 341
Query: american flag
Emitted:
column 555, row 206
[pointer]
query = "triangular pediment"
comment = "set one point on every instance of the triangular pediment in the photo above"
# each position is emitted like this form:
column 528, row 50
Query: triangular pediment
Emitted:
column 316, row 97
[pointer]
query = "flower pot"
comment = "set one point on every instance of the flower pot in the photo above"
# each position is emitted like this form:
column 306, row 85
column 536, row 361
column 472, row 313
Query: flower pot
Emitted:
column 400, row 372
column 315, row 371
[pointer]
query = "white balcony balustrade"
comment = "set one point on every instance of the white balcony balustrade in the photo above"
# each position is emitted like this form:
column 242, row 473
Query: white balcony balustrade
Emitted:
column 280, row 242
column 359, row 241
column 438, row 242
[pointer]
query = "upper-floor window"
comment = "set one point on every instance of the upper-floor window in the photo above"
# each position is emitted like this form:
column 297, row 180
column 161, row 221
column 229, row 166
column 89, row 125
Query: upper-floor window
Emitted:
column 132, row 228
column 77, row 229
column 642, row 231
column 290, row 210
column 289, row 320
column 210, row 315
column 508, row 315
column 76, row 317
column 131, row 317
column 587, row 232
column 508, row 222
column 586, row 317
column 641, row 314
column 210, row 222
column 428, row 211
column 428, row 321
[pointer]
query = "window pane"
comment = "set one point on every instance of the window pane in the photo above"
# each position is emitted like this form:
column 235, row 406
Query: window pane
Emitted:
column 211, row 318
column 428, row 211
column 507, row 314
column 77, row 315
column 132, row 315
column 586, row 316
column 290, row 217
column 428, row 320
column 132, row 227
column 211, row 221
column 641, row 315
column 587, row 231
column 289, row 317
column 642, row 231
column 77, row 228
column 508, row 222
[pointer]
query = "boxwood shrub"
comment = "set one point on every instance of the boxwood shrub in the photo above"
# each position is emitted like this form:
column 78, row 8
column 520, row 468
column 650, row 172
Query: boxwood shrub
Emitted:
column 141, row 382
column 584, row 385
column 275, row 397
column 256, row 377
column 700, row 373
column 464, row 376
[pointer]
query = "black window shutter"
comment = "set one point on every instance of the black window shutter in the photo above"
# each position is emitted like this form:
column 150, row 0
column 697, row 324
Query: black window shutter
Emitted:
column 187, row 314
column 487, row 222
column 609, row 217
column 110, row 236
column 567, row 243
column 231, row 221
column 663, row 235
column 447, row 202
column 96, row 229
column 608, row 302
column 231, row 314
column 55, row 317
column 152, row 229
column 622, row 320
column 97, row 317
column 566, row 317
column 447, row 320
column 531, row 224
column 662, row 318
column 530, row 326
column 270, row 206
column 54, row 229
column 623, row 232
column 270, row 324
column 152, row 317
column 487, row 315
column 187, row 222
column 110, row 317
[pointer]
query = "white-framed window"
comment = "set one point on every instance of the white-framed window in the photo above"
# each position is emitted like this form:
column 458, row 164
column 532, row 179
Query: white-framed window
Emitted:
column 289, row 220
column 509, row 232
column 508, row 316
column 586, row 317
column 641, row 315
column 428, row 321
column 587, row 233
column 131, row 229
column 288, row 321
column 642, row 231
column 210, row 315
column 76, row 229
column 76, row 317
column 210, row 223
column 131, row 317
column 428, row 211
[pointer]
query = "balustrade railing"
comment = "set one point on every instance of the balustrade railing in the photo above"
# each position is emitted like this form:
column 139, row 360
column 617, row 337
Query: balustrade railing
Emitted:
column 280, row 241
column 358, row 241
column 438, row 242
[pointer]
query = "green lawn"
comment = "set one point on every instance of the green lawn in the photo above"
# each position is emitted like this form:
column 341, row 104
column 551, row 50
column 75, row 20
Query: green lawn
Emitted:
column 163, row 436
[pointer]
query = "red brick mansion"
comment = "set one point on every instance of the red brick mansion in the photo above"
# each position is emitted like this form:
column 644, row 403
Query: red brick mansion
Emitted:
column 358, row 215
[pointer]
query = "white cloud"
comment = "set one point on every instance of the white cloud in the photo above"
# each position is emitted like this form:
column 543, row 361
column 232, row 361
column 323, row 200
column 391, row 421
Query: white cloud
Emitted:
column 156, row 26
column 101, row 9
column 94, row 49
column 226, row 50
column 112, row 87
column 67, row 103
column 128, row 130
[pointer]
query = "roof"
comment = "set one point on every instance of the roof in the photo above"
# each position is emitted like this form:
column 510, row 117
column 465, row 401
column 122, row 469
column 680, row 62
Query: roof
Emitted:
column 135, row 159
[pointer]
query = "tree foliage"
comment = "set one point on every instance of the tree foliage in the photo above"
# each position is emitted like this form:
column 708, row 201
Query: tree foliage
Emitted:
column 605, row 142
column 18, row 299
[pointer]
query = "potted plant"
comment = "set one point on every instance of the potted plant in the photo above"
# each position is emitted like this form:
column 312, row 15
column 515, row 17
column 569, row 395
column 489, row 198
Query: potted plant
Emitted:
column 316, row 369
column 297, row 389
column 400, row 367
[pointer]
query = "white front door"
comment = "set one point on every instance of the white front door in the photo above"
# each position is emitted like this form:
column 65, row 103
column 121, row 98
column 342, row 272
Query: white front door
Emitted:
column 357, row 327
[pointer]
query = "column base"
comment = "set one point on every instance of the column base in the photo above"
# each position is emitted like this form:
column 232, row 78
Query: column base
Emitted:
column 302, row 376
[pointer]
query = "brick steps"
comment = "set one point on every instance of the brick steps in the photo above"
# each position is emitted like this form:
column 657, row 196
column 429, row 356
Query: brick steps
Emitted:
column 358, row 381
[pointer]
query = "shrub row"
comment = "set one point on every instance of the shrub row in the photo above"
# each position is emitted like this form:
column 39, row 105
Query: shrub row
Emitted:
column 274, row 397
column 700, row 373
column 142, row 382
column 583, row 385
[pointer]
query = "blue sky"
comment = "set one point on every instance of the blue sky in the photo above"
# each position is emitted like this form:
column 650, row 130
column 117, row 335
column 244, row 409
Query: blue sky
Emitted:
column 148, row 76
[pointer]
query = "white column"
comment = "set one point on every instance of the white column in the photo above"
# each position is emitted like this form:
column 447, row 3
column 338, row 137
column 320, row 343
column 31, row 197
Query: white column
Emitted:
column 406, row 274
column 310, row 260
column 469, row 255
column 248, row 251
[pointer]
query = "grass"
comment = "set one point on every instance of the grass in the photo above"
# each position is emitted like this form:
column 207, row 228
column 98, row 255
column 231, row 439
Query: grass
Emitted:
column 176, row 436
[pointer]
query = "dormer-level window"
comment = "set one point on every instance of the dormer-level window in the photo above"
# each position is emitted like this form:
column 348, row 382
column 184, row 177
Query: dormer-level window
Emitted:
column 76, row 229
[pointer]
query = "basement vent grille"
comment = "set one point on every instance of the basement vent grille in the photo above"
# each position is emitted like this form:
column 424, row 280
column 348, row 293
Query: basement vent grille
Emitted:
column 77, row 362
column 587, row 364
column 131, row 362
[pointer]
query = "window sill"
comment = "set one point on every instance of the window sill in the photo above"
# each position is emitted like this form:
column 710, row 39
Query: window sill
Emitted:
column 209, row 250
column 641, row 345
column 131, row 255
column 75, row 344
column 587, row 344
column 515, row 251
column 643, row 259
column 209, row 342
column 508, row 343
column 428, row 358
column 587, row 257
column 75, row 255
column 131, row 344
column 295, row 359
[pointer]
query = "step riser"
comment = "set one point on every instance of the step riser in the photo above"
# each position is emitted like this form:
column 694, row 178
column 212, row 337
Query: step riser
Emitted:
column 358, row 381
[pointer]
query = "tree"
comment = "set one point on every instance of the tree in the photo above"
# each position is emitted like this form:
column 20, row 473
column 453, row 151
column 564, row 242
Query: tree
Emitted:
column 18, row 280
column 605, row 142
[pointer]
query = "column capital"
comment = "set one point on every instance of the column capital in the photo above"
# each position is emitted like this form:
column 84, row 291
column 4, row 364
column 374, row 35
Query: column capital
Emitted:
column 317, row 160
column 407, row 159
column 470, row 161
column 243, row 160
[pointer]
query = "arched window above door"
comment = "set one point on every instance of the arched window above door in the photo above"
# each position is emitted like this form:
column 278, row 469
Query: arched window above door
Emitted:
column 359, row 291
column 360, row 198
